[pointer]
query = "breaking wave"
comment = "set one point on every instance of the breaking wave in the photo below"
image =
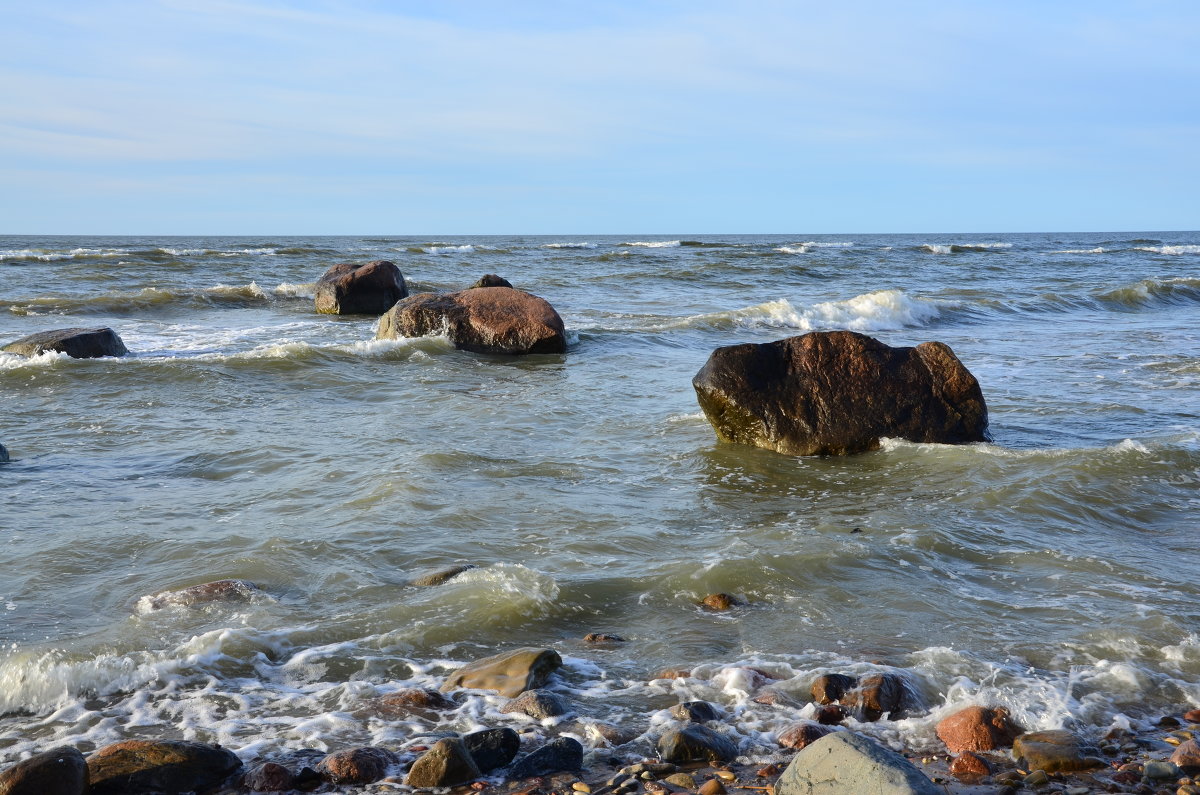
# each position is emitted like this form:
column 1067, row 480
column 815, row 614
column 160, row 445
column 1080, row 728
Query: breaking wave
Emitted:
column 877, row 311
column 569, row 245
column 1170, row 250
column 655, row 244
column 149, row 298
column 958, row 248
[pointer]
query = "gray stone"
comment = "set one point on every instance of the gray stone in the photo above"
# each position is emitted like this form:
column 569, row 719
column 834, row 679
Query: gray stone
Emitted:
column 561, row 753
column 538, row 704
column 78, row 343
column 695, row 712
column 695, row 743
column 1161, row 771
column 844, row 762
column 492, row 748
column 442, row 576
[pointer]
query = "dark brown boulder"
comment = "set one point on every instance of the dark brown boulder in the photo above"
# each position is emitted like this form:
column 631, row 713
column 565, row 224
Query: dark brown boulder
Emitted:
column 490, row 280
column 482, row 320
column 59, row 771
column 363, row 765
column 839, row 392
column 413, row 699
column 882, row 694
column 978, row 729
column 267, row 777
column 370, row 288
column 162, row 767
column 969, row 766
column 695, row 743
column 1186, row 756
column 828, row 688
column 802, row 733
column 216, row 591
column 78, row 343
column 831, row 714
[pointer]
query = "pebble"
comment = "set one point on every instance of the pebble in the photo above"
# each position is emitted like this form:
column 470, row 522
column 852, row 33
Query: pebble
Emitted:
column 712, row 787
column 1036, row 779
column 727, row 775
column 1077, row 790
column 579, row 786
column 681, row 780
column 1160, row 771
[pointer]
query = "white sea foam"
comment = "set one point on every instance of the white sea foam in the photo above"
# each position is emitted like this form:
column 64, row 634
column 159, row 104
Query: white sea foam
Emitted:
column 466, row 249
column 1172, row 250
column 877, row 311
column 818, row 244
column 802, row 249
column 47, row 255
column 306, row 290
column 953, row 248
column 569, row 245
column 11, row 361
column 655, row 243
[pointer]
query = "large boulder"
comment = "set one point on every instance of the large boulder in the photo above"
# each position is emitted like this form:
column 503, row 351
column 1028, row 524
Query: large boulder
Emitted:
column 479, row 319
column 78, row 343
column 363, row 765
column 978, row 729
column 838, row 392
column 59, row 771
column 509, row 674
column 844, row 762
column 369, row 288
column 161, row 767
column 1055, row 751
column 448, row 763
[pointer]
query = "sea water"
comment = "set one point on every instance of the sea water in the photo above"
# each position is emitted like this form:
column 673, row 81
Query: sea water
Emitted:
column 1054, row 571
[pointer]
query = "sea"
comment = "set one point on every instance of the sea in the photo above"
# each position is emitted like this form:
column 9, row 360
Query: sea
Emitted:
column 1054, row 571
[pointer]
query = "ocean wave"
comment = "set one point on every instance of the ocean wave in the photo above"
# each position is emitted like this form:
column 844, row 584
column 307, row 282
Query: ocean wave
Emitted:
column 1170, row 250
column 958, row 248
column 569, row 245
column 1153, row 291
column 447, row 249
column 802, row 249
column 151, row 298
column 654, row 244
column 50, row 255
column 878, row 311
column 11, row 361
column 305, row 290
column 1097, row 250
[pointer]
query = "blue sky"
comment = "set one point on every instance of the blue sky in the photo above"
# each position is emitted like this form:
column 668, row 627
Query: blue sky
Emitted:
column 262, row 117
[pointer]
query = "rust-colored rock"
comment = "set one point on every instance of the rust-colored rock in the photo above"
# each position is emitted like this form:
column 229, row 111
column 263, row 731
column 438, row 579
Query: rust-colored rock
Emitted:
column 802, row 733
column 712, row 787
column 1187, row 756
column 509, row 673
column 481, row 319
column 369, row 288
column 720, row 601
column 78, row 343
column 978, row 729
column 672, row 673
column 774, row 697
column 602, row 637
column 828, row 688
column 1192, row 716
column 59, row 771
column 364, row 765
column 413, row 699
column 839, row 392
column 268, row 777
column 216, row 591
column 969, row 766
column 831, row 714
column 163, row 767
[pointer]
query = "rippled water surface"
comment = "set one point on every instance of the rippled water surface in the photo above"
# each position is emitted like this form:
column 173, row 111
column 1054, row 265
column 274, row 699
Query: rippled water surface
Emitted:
column 1054, row 570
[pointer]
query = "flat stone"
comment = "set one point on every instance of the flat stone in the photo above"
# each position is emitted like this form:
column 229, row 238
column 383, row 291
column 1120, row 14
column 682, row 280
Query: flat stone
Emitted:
column 59, row 771
column 364, row 765
column 695, row 743
column 442, row 576
column 560, row 754
column 492, row 748
column 509, row 674
column 1187, row 755
column 1055, row 751
column 161, row 767
column 78, row 343
column 844, row 762
column 537, row 704
column 447, row 764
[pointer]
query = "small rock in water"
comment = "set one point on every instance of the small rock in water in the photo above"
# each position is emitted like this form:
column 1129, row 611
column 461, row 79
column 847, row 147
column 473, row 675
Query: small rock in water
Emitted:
column 448, row 763
column 1192, row 716
column 1187, row 756
column 217, row 591
column 442, row 576
column 720, row 601
column 414, row 699
column 267, row 777
column 364, row 765
column 768, row 771
column 968, row 766
column 1036, row 779
column 684, row 780
column 712, row 787
column 695, row 743
column 773, row 697
column 695, row 712
column 59, row 771
column 1168, row 722
column 560, row 754
column 3, row 455
column 831, row 714
column 509, row 674
column 492, row 748
column 802, row 733
column 1161, row 771
column 78, row 343
column 490, row 280
column 602, row 637
column 881, row 694
column 612, row 735
column 673, row 673
column 978, row 729
column 828, row 688
column 1055, row 751
column 537, row 704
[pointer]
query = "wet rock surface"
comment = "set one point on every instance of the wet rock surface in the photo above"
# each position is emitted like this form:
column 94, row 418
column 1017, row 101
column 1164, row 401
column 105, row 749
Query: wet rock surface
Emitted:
column 802, row 734
column 828, row 688
column 561, row 753
column 509, row 673
column 839, row 392
column 538, row 704
column 78, row 343
column 216, row 591
column 978, row 729
column 492, row 748
column 1055, row 751
column 410, row 700
column 363, row 765
column 446, row 764
column 695, row 743
column 59, row 771
column 442, row 576
column 482, row 319
column 369, row 288
column 845, row 762
column 161, row 767
column 696, row 712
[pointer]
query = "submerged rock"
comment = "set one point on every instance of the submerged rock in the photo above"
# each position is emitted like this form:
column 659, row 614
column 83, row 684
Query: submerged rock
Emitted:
column 447, row 764
column 802, row 734
column 538, row 704
column 720, row 601
column 442, row 576
column 490, row 280
column 561, row 753
column 887, row 693
column 216, row 591
column 978, row 729
column 845, row 762
column 413, row 699
column 695, row 712
column 509, row 673
column 492, row 748
column 839, row 392
column 59, row 771
column 828, row 688
column 3, row 455
column 695, row 743
column 369, row 288
column 161, row 767
column 602, row 637
column 78, row 343
column 1055, row 751
column 482, row 320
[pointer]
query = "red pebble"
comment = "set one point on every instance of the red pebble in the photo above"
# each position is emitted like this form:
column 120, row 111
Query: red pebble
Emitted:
column 1192, row 716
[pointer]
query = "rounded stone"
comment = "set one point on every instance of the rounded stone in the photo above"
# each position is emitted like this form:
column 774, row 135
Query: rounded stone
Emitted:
column 59, row 771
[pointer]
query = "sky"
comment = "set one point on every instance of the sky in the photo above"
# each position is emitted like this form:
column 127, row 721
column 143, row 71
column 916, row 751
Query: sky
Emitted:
column 565, row 117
